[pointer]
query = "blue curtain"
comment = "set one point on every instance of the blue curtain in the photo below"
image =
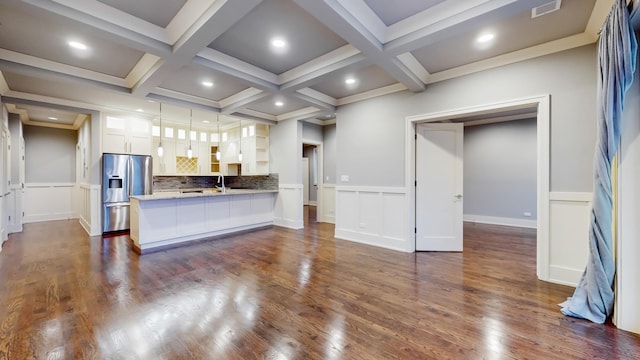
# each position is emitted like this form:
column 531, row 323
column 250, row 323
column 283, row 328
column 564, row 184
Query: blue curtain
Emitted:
column 593, row 297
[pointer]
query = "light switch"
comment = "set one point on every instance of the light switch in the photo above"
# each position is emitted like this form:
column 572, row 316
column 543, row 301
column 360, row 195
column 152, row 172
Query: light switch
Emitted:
column 344, row 178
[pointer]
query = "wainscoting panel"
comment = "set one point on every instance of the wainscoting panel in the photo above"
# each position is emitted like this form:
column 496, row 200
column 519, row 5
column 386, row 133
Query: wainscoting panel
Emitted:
column 288, row 209
column 45, row 202
column 372, row 215
column 88, row 208
column 568, row 236
column 328, row 203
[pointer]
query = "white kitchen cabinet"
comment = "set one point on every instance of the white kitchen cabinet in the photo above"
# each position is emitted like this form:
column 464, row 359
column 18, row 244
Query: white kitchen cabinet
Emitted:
column 255, row 149
column 126, row 136
column 165, row 165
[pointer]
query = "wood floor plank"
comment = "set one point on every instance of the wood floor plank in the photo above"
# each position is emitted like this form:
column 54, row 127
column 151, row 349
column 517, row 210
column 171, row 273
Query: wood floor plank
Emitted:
column 278, row 293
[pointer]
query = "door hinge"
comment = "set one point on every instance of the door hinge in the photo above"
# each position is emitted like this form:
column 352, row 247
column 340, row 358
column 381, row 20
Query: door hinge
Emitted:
column 415, row 182
column 415, row 136
column 9, row 217
column 415, row 230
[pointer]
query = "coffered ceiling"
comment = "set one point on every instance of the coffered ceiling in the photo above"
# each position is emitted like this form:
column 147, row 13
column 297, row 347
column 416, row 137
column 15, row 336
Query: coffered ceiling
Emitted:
column 219, row 57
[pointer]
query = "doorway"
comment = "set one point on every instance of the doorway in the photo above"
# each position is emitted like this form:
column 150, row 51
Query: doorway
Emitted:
column 312, row 165
column 542, row 105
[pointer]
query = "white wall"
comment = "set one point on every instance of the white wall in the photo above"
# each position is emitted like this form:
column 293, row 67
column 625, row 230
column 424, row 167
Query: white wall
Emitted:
column 500, row 173
column 627, row 312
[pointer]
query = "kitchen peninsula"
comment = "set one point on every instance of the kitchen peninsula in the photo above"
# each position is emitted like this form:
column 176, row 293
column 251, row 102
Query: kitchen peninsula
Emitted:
column 170, row 218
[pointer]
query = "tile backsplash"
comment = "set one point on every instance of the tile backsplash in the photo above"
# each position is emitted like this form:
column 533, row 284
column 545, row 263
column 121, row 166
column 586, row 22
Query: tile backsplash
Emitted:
column 266, row 182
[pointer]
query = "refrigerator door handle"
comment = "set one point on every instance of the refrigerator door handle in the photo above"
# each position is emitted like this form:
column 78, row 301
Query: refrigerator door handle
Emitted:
column 108, row 205
column 129, row 176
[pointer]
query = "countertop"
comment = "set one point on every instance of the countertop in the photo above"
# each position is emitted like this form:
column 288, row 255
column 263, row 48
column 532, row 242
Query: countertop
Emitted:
column 177, row 194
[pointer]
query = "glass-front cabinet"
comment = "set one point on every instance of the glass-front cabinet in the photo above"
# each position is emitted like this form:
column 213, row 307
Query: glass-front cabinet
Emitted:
column 213, row 151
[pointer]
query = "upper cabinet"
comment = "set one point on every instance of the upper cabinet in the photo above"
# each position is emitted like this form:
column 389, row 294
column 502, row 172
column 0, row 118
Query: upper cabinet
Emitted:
column 205, row 143
column 254, row 143
column 126, row 135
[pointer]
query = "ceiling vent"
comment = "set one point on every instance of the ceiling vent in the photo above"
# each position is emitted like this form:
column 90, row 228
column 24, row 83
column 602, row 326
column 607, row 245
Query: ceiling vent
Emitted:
column 545, row 9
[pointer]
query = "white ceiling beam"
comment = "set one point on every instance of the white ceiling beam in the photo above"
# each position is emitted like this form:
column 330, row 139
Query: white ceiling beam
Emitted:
column 186, row 97
column 302, row 114
column 4, row 87
column 333, row 15
column 601, row 10
column 226, row 64
column 244, row 102
column 313, row 101
column 129, row 36
column 318, row 95
column 213, row 23
column 456, row 22
column 43, row 72
column 551, row 47
column 390, row 89
column 313, row 77
column 28, row 61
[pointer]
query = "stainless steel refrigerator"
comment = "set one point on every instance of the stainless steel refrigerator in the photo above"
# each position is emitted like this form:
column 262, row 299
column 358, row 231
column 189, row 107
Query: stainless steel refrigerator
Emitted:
column 123, row 176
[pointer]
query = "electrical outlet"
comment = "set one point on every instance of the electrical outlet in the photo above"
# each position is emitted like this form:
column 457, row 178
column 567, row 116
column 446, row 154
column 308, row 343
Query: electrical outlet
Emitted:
column 344, row 178
column 527, row 214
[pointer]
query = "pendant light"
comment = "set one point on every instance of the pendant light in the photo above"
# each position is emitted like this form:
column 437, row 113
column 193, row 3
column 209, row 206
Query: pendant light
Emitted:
column 218, row 148
column 160, row 149
column 190, row 151
column 240, row 153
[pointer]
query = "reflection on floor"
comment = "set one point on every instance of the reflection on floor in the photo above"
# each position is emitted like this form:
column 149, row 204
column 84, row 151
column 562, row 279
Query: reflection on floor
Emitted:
column 286, row 294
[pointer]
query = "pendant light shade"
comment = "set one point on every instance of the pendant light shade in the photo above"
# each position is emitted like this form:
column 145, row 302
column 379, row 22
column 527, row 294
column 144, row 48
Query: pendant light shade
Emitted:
column 218, row 148
column 189, row 150
column 160, row 149
column 240, row 152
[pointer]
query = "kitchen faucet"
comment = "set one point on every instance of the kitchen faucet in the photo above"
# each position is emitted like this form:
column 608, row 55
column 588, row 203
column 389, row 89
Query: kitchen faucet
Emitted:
column 222, row 188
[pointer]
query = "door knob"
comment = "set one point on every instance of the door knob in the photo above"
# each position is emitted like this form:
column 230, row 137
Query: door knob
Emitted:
column 458, row 196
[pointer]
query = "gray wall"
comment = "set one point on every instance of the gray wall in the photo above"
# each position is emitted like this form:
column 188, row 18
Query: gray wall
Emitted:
column 50, row 155
column 377, row 157
column 500, row 169
column 311, row 131
column 329, row 154
column 285, row 151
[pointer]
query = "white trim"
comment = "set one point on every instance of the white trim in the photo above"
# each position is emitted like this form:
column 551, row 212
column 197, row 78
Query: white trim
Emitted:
column 319, row 201
column 312, row 203
column 543, row 133
column 570, row 196
column 328, row 203
column 504, row 221
column 371, row 215
column 385, row 90
column 288, row 208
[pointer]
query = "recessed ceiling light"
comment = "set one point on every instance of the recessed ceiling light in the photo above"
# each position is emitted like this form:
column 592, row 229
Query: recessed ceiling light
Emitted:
column 485, row 37
column 350, row 81
column 207, row 83
column 278, row 42
column 77, row 45
column 52, row 118
column 139, row 110
column 205, row 121
column 279, row 103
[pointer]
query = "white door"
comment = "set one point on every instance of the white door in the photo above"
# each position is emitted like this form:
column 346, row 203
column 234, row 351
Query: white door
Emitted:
column 305, row 181
column 439, row 187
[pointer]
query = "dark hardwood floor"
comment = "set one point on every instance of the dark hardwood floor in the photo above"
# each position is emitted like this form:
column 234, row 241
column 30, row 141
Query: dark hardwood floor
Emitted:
column 285, row 294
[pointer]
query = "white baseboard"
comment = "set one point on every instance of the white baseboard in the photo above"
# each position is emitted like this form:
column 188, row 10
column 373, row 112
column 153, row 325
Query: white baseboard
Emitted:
column 371, row 239
column 494, row 220
column 564, row 275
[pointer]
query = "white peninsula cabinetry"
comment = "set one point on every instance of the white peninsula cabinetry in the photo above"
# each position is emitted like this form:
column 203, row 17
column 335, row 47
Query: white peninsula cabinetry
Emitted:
column 168, row 219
